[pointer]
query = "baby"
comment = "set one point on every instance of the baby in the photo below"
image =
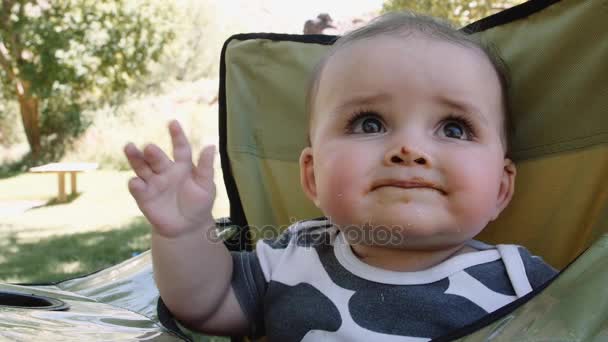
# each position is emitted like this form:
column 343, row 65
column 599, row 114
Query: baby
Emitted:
column 408, row 161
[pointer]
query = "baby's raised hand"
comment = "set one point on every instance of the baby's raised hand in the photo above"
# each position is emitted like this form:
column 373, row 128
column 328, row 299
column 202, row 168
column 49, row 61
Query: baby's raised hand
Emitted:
column 175, row 196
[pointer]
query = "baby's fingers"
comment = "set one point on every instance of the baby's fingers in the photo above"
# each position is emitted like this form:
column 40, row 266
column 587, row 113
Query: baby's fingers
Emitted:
column 137, row 188
column 204, row 168
column 136, row 159
column 156, row 158
column 182, row 153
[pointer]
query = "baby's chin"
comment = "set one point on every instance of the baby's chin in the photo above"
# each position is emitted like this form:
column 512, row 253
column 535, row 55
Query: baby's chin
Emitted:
column 405, row 236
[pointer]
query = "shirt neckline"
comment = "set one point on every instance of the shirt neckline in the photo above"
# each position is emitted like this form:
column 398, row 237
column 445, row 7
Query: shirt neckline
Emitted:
column 349, row 261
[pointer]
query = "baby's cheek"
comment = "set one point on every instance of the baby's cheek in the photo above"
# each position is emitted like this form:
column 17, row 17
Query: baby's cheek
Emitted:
column 477, row 194
column 337, row 192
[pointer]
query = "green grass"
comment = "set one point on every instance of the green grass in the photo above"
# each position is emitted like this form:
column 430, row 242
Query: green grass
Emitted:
column 98, row 228
column 65, row 256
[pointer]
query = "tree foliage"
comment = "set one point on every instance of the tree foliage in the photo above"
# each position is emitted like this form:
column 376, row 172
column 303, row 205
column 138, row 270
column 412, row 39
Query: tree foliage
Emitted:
column 60, row 56
column 458, row 12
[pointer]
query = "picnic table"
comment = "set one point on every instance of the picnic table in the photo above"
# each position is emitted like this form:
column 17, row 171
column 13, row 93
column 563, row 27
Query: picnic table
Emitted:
column 61, row 169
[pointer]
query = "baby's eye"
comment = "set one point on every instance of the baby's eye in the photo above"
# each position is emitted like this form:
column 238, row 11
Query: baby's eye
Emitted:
column 366, row 123
column 456, row 129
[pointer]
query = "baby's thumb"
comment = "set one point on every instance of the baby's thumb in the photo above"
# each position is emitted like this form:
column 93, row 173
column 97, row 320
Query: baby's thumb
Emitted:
column 204, row 168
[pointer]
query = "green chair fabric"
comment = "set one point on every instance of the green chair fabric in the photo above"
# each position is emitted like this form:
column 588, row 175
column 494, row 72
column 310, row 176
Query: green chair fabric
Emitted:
column 557, row 60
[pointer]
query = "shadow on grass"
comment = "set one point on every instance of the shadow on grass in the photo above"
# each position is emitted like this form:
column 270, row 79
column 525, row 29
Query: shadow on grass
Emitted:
column 61, row 257
column 55, row 201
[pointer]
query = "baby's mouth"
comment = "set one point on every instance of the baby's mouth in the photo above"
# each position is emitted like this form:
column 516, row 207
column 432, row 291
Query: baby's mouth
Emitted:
column 413, row 183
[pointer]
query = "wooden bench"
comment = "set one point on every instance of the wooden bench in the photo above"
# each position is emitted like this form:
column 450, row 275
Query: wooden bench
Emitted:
column 61, row 169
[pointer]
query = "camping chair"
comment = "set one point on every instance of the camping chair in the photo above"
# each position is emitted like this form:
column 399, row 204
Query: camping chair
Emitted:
column 556, row 53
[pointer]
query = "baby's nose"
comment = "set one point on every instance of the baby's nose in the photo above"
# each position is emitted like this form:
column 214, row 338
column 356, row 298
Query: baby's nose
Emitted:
column 404, row 155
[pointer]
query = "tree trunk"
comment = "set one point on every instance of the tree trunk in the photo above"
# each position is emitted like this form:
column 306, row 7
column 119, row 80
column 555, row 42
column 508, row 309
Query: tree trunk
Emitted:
column 28, row 105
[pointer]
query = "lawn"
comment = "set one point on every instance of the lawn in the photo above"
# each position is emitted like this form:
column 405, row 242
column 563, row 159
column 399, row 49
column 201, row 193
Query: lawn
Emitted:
column 98, row 228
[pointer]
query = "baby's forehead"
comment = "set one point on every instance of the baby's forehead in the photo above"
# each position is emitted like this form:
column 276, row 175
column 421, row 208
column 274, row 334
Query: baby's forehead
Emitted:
column 384, row 43
column 452, row 67
column 372, row 53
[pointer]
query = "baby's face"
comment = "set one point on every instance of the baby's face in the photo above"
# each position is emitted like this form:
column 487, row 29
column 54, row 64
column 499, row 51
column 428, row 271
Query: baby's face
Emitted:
column 407, row 139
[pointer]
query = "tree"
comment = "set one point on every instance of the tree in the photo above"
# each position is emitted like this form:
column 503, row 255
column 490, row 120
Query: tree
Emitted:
column 59, row 56
column 458, row 12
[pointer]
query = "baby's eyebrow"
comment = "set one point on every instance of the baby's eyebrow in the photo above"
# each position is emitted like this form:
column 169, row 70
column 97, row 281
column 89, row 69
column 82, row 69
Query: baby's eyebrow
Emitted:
column 464, row 106
column 363, row 100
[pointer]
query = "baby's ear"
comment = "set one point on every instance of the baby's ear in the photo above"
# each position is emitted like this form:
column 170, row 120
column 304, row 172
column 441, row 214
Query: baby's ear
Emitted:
column 307, row 175
column 507, row 187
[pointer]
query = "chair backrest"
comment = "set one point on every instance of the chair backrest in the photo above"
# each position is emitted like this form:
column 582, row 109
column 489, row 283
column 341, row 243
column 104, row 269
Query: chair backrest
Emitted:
column 556, row 53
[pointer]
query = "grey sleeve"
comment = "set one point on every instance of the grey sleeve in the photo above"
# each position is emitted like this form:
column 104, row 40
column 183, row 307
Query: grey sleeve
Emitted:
column 249, row 286
column 537, row 270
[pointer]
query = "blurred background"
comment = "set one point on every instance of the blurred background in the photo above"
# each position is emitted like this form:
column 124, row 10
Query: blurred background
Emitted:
column 81, row 78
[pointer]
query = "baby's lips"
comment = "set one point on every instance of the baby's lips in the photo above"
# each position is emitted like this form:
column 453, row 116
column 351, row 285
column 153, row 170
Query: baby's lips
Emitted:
column 411, row 183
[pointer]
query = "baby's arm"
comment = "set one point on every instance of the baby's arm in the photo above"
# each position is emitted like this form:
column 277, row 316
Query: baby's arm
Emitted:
column 192, row 270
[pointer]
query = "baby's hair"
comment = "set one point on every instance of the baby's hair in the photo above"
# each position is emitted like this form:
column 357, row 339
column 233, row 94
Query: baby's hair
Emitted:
column 402, row 24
